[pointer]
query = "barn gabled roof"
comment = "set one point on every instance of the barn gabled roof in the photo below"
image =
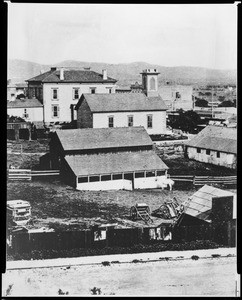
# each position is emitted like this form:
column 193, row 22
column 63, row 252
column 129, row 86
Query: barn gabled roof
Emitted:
column 118, row 102
column 108, row 163
column 216, row 138
column 97, row 138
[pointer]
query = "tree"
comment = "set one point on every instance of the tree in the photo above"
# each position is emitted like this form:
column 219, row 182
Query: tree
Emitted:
column 186, row 121
column 201, row 103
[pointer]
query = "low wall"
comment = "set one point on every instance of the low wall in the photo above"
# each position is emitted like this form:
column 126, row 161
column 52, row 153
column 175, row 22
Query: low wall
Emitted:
column 121, row 184
column 149, row 182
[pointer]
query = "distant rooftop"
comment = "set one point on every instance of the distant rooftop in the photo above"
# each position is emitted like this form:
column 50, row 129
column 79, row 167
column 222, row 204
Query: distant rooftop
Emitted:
column 85, row 75
column 23, row 103
column 122, row 102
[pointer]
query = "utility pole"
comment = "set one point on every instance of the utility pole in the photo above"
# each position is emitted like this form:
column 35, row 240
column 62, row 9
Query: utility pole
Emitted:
column 212, row 101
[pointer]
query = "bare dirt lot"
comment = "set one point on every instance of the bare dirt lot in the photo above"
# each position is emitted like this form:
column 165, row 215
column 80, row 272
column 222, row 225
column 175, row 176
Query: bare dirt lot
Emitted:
column 53, row 201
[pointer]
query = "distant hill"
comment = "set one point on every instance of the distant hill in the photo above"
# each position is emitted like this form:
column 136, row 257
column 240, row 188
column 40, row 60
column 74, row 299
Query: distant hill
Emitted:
column 126, row 74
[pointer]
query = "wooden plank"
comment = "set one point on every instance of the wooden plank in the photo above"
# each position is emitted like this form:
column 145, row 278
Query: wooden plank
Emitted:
column 49, row 174
column 45, row 171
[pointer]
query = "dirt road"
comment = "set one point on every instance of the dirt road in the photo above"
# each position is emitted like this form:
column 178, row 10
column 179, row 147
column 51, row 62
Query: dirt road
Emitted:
column 208, row 277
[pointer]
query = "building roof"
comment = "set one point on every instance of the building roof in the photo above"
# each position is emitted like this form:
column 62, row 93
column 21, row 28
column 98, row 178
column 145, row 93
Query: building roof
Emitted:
column 107, row 163
column 96, row 138
column 72, row 76
column 24, row 103
column 216, row 138
column 200, row 205
column 117, row 102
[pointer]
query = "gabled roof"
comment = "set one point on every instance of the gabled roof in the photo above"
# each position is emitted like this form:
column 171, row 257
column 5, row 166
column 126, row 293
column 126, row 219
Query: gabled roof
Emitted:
column 24, row 103
column 200, row 205
column 117, row 102
column 96, row 138
column 216, row 138
column 95, row 164
column 78, row 76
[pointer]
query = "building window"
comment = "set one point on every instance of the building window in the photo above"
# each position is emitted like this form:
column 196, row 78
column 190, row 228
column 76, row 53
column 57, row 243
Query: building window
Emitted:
column 152, row 84
column 55, row 111
column 150, row 174
column 110, row 91
column 82, row 179
column 117, row 176
column 94, row 178
column 139, row 174
column 149, row 121
column 218, row 154
column 130, row 121
column 160, row 173
column 54, row 94
column 207, row 151
column 105, row 177
column 110, row 121
column 93, row 90
column 198, row 150
column 25, row 114
column 75, row 94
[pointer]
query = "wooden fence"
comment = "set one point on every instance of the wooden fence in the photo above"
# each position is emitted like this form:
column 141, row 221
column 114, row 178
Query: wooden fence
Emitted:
column 202, row 180
column 27, row 174
column 224, row 234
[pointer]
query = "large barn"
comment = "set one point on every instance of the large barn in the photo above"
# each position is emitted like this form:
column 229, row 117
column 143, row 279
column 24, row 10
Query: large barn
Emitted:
column 215, row 145
column 106, row 158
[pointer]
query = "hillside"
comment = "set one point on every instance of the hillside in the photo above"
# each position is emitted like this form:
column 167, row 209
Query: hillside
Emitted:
column 126, row 74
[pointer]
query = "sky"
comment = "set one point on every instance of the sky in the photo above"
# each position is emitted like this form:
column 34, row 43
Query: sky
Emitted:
column 167, row 35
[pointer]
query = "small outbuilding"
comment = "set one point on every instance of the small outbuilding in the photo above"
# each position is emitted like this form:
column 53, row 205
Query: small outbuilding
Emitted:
column 215, row 145
column 30, row 110
column 203, row 206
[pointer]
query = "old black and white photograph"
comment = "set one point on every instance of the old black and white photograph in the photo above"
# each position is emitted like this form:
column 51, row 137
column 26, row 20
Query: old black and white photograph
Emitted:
column 121, row 150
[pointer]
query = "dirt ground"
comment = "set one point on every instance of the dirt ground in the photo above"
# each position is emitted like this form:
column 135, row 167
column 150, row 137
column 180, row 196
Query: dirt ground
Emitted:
column 53, row 201
column 202, row 277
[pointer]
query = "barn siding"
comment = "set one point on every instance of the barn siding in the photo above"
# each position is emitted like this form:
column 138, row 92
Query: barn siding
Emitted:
column 226, row 159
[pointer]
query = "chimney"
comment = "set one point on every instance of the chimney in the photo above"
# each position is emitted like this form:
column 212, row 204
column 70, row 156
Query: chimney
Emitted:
column 61, row 73
column 105, row 77
column 53, row 69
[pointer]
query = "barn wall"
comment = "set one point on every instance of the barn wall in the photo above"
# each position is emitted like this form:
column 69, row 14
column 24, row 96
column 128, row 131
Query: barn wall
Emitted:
column 149, row 182
column 226, row 159
column 121, row 184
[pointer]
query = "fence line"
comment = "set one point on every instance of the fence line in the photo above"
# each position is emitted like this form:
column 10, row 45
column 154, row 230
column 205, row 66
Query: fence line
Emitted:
column 21, row 174
column 27, row 174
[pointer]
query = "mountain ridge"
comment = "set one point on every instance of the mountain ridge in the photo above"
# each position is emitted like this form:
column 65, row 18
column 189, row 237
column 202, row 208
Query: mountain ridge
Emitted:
column 128, row 73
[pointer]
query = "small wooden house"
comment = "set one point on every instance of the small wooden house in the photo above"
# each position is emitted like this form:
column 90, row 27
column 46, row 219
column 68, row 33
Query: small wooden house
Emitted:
column 215, row 145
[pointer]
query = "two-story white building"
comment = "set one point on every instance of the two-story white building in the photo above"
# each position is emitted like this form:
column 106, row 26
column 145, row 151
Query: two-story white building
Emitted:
column 125, row 109
column 60, row 89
